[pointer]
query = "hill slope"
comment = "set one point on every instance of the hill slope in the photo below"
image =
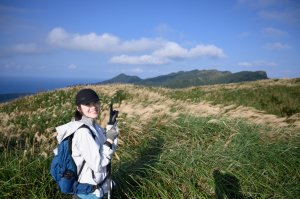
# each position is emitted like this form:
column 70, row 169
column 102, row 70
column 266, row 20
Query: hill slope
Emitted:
column 191, row 78
column 173, row 143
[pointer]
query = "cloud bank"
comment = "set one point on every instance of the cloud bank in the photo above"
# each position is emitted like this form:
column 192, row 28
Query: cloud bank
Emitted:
column 102, row 43
column 169, row 52
column 272, row 10
column 269, row 31
column 277, row 46
column 152, row 51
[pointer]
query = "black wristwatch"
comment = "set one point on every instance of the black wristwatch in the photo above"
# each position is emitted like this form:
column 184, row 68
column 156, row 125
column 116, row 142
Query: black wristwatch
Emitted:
column 107, row 143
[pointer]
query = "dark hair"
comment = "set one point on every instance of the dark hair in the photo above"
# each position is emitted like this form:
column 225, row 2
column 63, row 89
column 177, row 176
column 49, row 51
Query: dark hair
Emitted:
column 77, row 115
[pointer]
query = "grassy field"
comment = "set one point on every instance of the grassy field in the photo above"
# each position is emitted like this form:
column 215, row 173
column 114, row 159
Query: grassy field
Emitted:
column 166, row 150
column 277, row 97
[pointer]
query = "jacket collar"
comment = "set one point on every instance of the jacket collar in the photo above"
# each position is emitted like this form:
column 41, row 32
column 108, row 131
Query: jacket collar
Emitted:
column 88, row 121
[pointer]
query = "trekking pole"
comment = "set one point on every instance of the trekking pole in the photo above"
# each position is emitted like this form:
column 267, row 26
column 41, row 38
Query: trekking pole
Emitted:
column 113, row 116
column 109, row 181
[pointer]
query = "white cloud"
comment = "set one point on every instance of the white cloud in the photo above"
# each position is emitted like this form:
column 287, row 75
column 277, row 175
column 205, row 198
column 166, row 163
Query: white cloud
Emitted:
column 147, row 50
column 17, row 66
column 163, row 29
column 143, row 59
column 92, row 42
column 9, row 9
column 140, row 45
column 244, row 34
column 102, row 43
column 260, row 3
column 277, row 46
column 8, row 65
column 42, row 67
column 257, row 64
column 22, row 49
column 286, row 11
column 27, row 48
column 206, row 50
column 278, row 15
column 72, row 66
column 169, row 53
column 136, row 70
column 173, row 50
column 273, row 32
column 246, row 64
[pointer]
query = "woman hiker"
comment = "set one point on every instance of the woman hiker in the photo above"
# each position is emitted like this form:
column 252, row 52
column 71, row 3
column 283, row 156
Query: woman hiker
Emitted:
column 92, row 147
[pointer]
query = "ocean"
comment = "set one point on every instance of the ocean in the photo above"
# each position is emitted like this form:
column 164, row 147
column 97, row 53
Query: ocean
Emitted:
column 18, row 86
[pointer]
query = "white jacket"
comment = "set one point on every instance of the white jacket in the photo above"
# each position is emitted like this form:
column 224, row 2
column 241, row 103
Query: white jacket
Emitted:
column 93, row 151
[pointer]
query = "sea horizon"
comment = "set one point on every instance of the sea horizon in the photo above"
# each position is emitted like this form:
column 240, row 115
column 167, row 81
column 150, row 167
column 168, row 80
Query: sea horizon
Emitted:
column 31, row 85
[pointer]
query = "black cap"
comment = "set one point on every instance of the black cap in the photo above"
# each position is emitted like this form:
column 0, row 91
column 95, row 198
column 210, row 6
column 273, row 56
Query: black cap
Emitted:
column 86, row 96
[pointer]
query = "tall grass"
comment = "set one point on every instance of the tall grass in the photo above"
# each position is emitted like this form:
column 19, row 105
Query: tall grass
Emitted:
column 281, row 100
column 189, row 157
column 193, row 158
column 26, row 176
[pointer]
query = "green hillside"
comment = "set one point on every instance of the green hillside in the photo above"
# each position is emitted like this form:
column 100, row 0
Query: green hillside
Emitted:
column 278, row 97
column 182, row 143
column 185, row 79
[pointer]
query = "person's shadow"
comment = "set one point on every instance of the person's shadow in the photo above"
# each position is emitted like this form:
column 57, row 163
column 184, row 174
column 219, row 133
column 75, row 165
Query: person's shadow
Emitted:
column 227, row 186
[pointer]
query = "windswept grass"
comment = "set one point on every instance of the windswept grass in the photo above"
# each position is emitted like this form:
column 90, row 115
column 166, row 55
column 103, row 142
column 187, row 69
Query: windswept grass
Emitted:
column 159, row 156
column 278, row 99
column 205, row 158
column 26, row 176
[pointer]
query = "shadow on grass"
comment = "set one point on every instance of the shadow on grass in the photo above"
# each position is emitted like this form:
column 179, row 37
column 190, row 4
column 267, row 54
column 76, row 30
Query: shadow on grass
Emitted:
column 129, row 175
column 227, row 186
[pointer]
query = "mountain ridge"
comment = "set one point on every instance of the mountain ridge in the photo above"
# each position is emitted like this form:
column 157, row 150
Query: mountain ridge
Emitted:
column 183, row 79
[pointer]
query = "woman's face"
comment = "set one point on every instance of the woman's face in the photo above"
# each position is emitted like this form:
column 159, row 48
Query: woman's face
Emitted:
column 90, row 110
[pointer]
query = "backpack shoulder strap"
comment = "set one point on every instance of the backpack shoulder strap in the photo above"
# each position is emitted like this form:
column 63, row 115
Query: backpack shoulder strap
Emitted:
column 70, row 144
column 86, row 126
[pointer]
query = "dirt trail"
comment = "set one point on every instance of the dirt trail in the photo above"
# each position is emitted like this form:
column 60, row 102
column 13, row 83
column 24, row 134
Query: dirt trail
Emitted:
column 147, row 103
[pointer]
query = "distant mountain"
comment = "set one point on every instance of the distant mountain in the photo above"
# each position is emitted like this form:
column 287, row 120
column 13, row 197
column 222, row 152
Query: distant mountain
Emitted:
column 122, row 78
column 183, row 79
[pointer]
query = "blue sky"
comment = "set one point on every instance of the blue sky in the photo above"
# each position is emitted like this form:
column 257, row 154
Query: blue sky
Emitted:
column 100, row 39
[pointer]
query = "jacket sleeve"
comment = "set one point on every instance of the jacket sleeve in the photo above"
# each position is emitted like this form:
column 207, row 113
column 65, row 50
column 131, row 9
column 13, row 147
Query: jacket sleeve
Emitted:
column 95, row 156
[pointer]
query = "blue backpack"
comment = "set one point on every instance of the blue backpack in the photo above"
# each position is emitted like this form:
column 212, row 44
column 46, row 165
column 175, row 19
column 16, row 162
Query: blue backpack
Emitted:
column 63, row 168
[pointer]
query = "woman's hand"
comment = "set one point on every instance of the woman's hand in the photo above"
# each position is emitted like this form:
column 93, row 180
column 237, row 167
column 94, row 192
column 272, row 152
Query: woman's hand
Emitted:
column 111, row 134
